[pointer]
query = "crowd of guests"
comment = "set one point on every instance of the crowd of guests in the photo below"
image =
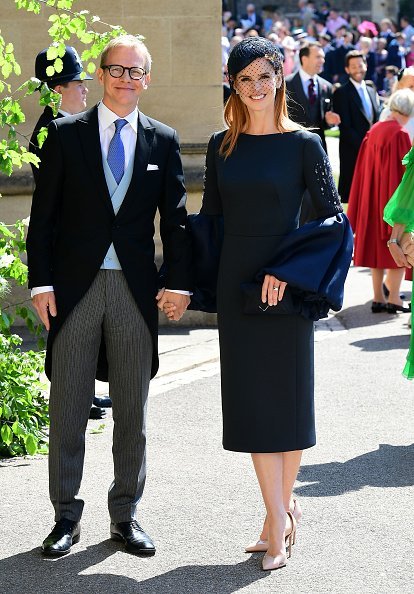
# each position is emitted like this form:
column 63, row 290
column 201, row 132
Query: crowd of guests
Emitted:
column 387, row 45
column 357, row 76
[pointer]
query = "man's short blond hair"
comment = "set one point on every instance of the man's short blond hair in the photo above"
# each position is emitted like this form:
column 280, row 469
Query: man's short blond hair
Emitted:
column 128, row 41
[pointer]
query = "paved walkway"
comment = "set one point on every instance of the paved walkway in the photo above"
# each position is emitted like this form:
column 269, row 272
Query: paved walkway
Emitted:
column 202, row 505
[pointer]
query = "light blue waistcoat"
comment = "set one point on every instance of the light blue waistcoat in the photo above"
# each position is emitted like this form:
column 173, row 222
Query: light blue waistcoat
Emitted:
column 117, row 193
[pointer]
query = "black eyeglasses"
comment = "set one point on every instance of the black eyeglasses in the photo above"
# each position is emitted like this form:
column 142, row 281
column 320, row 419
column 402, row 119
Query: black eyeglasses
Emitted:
column 116, row 71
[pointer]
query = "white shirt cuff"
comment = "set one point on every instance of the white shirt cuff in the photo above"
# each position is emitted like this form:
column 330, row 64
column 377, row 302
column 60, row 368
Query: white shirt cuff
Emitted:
column 38, row 290
column 179, row 291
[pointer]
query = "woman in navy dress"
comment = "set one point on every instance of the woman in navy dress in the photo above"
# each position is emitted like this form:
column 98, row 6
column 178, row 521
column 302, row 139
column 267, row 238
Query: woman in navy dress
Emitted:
column 256, row 174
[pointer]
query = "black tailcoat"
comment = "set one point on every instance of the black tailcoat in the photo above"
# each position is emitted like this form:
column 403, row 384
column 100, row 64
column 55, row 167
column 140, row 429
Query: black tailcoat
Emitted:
column 43, row 122
column 353, row 127
column 299, row 108
column 73, row 223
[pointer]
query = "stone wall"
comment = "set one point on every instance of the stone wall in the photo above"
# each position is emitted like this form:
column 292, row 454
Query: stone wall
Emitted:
column 183, row 37
column 186, row 87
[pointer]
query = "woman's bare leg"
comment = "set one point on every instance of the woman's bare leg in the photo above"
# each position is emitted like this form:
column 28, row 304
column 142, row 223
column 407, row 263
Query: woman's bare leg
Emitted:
column 377, row 280
column 291, row 465
column 290, row 468
column 394, row 279
column 269, row 472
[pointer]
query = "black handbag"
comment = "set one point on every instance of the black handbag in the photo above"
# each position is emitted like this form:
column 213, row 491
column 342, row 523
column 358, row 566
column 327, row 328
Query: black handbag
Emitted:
column 253, row 305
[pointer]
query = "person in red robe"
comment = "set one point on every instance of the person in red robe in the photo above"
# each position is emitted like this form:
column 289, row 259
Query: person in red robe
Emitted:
column 378, row 172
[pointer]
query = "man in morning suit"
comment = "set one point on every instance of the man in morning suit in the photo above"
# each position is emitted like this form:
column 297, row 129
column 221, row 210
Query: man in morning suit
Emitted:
column 94, row 282
column 358, row 106
column 73, row 91
column 309, row 95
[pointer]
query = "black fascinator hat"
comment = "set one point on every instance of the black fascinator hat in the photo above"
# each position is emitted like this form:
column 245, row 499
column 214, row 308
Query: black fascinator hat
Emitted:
column 250, row 49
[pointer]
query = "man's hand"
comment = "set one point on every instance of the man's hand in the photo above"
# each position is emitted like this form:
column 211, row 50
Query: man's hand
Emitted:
column 45, row 304
column 332, row 118
column 173, row 304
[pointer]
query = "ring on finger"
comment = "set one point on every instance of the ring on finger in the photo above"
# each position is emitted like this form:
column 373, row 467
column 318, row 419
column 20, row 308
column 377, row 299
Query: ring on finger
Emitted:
column 275, row 288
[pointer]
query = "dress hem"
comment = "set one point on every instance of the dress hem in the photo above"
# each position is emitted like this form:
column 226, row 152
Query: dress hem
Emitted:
column 267, row 450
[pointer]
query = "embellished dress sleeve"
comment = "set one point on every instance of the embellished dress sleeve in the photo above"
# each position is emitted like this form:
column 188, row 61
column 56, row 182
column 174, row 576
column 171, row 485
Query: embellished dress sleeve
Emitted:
column 319, row 179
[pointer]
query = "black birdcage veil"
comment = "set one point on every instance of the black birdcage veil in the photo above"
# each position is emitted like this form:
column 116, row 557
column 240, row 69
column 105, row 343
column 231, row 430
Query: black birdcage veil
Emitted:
column 249, row 50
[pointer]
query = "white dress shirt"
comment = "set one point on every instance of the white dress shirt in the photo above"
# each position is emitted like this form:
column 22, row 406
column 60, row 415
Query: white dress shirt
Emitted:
column 362, row 88
column 106, row 119
column 305, row 78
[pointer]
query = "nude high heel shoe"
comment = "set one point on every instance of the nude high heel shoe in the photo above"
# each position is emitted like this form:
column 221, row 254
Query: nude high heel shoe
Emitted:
column 270, row 563
column 261, row 546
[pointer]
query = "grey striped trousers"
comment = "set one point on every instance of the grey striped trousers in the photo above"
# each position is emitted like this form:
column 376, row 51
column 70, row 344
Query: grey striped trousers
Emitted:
column 109, row 308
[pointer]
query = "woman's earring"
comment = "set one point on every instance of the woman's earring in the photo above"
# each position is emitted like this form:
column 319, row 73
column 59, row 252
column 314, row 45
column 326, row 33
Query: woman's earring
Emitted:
column 237, row 92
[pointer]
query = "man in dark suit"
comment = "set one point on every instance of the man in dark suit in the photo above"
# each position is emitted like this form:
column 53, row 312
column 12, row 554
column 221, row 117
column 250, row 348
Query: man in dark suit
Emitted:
column 73, row 91
column 252, row 19
column 309, row 95
column 358, row 106
column 91, row 269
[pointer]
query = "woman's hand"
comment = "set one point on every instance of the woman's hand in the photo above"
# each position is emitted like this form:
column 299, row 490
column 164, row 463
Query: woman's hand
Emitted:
column 272, row 290
column 399, row 256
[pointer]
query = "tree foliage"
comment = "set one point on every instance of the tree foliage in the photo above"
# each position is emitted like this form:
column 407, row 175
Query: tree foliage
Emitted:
column 67, row 27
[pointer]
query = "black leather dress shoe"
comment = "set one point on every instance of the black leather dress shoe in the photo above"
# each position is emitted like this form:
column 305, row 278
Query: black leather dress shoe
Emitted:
column 392, row 308
column 135, row 539
column 378, row 307
column 97, row 413
column 63, row 536
column 102, row 401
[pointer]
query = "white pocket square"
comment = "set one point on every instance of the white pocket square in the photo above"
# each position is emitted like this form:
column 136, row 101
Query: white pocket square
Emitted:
column 152, row 167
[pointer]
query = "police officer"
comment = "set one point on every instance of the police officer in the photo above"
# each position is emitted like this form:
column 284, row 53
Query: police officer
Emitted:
column 73, row 90
column 68, row 83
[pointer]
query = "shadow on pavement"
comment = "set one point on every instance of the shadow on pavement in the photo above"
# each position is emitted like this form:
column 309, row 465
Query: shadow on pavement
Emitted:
column 383, row 343
column 360, row 316
column 29, row 572
column 389, row 466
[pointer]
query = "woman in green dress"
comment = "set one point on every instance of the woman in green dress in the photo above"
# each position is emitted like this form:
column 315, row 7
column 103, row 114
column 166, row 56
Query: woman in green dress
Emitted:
column 399, row 213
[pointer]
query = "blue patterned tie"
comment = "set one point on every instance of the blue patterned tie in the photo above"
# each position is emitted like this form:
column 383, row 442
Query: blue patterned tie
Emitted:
column 116, row 152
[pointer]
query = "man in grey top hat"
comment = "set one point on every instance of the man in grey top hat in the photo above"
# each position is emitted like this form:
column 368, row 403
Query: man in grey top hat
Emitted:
column 70, row 84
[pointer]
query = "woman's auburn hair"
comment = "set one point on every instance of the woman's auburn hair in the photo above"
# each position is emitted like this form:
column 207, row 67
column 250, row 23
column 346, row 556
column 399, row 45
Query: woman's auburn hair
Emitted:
column 236, row 116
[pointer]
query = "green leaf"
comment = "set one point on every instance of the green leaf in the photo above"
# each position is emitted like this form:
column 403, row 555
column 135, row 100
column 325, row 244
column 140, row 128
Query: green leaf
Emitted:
column 52, row 52
column 58, row 65
column 50, row 71
column 17, row 428
column 6, row 69
column 61, row 50
column 41, row 136
column 98, row 429
column 31, row 444
column 6, row 411
column 6, row 434
column 6, row 319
